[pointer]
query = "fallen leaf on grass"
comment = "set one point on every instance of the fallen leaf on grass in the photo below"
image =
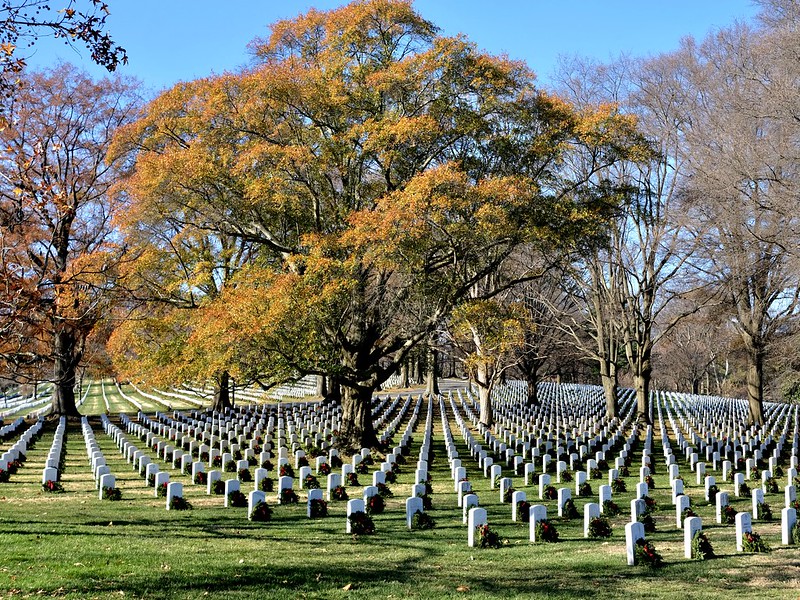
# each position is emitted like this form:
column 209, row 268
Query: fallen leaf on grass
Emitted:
column 348, row 587
column 462, row 588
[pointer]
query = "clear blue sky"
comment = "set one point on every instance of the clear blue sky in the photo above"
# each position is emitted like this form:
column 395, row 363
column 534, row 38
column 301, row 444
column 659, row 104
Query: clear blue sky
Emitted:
column 173, row 40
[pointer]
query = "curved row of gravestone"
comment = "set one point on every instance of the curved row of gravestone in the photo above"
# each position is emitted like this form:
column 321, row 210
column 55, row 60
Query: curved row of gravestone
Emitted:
column 543, row 448
column 147, row 469
column 55, row 457
column 12, row 458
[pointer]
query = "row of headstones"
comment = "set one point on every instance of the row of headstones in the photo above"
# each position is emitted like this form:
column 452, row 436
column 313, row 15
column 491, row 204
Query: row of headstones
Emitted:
column 494, row 471
column 104, row 480
column 333, row 479
column 53, row 462
column 559, row 416
column 20, row 448
column 748, row 438
column 149, row 469
column 546, row 446
column 174, row 489
column 712, row 452
column 7, row 430
column 390, row 431
column 299, row 454
column 708, row 415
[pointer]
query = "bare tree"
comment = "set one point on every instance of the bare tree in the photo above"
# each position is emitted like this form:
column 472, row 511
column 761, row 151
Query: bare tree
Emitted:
column 744, row 183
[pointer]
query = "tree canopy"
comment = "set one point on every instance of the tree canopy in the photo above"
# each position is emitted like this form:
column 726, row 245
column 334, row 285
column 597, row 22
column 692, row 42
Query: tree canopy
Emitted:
column 380, row 172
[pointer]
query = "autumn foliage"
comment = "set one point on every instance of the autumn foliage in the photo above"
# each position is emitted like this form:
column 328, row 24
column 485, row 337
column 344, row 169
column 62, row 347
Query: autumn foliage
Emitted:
column 324, row 210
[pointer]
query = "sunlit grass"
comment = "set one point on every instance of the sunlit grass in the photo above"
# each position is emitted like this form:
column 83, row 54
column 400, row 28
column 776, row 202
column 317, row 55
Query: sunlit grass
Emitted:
column 76, row 546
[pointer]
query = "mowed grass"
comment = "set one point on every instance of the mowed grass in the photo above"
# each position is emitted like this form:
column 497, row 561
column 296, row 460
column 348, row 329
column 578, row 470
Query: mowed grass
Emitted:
column 74, row 545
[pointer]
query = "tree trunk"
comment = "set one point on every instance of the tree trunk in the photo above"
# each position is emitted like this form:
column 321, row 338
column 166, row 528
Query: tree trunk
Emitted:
column 404, row 382
column 485, row 396
column 334, row 391
column 222, row 397
column 608, row 375
column 357, row 430
column 431, row 377
column 642, row 384
column 322, row 386
column 755, row 386
column 696, row 386
column 415, row 374
column 66, row 361
column 532, row 379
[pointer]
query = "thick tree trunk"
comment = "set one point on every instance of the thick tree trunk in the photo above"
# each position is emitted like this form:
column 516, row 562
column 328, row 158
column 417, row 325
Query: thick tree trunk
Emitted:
column 334, row 391
column 485, row 396
column 431, row 376
column 695, row 386
column 322, row 386
column 404, row 382
column 608, row 375
column 357, row 430
column 64, row 366
column 532, row 379
column 642, row 384
column 222, row 392
column 755, row 386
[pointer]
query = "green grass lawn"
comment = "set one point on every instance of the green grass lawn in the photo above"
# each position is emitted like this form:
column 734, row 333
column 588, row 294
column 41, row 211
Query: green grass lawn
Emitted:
column 74, row 545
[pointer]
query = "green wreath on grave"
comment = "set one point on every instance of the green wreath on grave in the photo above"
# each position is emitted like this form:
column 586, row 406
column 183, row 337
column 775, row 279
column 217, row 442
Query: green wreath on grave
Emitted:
column 352, row 479
column 112, row 493
column 218, row 487
column 339, row 493
column 752, row 542
column 569, row 511
column 729, row 514
column 763, row 512
column 422, row 520
column 611, row 508
column 795, row 534
column 230, row 466
column 645, row 554
column 508, row 494
column 201, row 478
column 361, row 523
column 237, row 499
column 650, row 504
column 161, row 491
column 713, row 490
column 701, row 546
column 771, row 485
column 585, row 490
column 311, row 482
column 384, row 491
column 318, row 508
column 648, row 522
column 375, row 505
column 261, row 512
column 288, row 496
column 618, row 486
column 595, row 474
column 550, row 493
column 600, row 527
column 179, row 503
column 546, row 532
column 487, row 538
column 524, row 511
column 52, row 487
column 687, row 512
column 324, row 469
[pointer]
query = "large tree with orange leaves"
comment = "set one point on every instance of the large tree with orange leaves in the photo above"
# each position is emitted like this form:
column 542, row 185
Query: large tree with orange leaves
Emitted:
column 58, row 251
column 381, row 172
